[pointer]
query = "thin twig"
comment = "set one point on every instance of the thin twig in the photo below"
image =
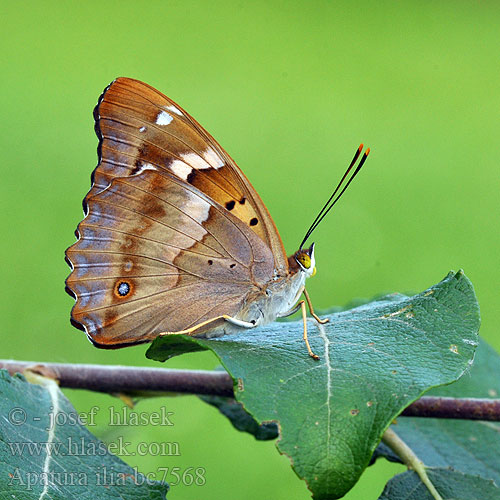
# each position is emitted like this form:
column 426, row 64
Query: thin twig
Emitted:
column 134, row 379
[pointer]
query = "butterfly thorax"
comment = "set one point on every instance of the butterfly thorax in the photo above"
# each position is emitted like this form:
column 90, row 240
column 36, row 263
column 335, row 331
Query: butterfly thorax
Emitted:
column 280, row 295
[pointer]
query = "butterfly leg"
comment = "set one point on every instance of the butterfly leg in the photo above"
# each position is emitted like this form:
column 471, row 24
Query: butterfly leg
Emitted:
column 225, row 317
column 302, row 305
column 311, row 310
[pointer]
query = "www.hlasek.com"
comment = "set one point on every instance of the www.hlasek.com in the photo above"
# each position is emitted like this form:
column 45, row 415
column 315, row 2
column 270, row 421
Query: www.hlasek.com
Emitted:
column 108, row 476
column 81, row 447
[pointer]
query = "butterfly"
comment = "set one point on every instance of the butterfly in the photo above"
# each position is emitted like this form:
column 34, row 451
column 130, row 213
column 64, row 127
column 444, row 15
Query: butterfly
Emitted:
column 175, row 239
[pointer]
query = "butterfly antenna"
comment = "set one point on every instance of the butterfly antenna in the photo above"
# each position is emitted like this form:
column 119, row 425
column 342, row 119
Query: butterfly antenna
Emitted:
column 356, row 156
column 329, row 204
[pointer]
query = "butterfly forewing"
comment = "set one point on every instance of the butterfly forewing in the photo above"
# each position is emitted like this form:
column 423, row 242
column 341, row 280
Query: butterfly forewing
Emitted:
column 156, row 254
column 140, row 128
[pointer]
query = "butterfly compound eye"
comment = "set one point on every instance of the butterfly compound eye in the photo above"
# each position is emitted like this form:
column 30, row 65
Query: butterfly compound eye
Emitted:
column 304, row 260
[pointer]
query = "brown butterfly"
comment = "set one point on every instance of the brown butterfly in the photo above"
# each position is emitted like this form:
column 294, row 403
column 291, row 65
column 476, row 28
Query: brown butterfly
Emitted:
column 175, row 239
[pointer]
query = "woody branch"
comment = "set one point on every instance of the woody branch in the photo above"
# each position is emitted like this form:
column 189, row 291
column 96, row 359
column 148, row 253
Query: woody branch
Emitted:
column 130, row 380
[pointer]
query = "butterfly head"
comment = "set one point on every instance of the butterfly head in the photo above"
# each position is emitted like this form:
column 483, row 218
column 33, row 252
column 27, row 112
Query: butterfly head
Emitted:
column 305, row 259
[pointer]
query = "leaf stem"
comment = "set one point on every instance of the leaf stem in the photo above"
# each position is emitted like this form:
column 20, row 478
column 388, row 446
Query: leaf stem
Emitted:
column 53, row 391
column 398, row 446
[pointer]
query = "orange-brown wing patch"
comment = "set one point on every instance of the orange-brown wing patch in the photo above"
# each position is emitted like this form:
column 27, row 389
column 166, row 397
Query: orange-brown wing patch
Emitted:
column 140, row 128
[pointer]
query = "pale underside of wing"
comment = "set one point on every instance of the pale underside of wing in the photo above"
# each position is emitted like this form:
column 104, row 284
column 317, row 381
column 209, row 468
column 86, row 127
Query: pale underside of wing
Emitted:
column 154, row 255
column 139, row 127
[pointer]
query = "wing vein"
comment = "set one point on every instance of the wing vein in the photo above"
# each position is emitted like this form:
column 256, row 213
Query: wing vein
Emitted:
column 162, row 223
column 238, row 188
column 94, row 252
column 164, row 243
column 205, row 199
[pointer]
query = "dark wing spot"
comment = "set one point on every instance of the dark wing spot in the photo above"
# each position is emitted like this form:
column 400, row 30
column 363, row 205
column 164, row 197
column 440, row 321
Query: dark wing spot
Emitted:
column 230, row 204
column 210, row 262
column 190, row 178
column 254, row 221
column 232, row 265
column 123, row 288
column 242, row 201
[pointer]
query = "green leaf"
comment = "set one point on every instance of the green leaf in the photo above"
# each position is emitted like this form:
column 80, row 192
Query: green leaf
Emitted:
column 451, row 485
column 64, row 461
column 241, row 419
column 468, row 446
column 375, row 360
column 481, row 381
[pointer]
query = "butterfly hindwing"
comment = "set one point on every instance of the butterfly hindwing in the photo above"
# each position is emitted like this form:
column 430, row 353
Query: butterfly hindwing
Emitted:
column 156, row 254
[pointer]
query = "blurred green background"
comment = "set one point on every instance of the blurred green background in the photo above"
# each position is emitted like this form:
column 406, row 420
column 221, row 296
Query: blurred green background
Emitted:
column 289, row 89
